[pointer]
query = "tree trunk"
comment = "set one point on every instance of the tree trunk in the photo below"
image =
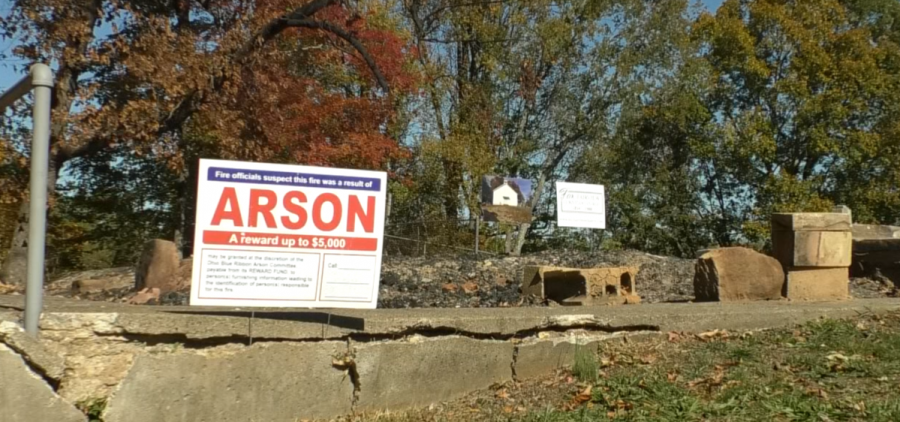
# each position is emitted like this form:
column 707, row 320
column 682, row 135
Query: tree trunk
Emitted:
column 453, row 180
column 15, row 265
column 510, row 241
column 523, row 228
column 13, row 270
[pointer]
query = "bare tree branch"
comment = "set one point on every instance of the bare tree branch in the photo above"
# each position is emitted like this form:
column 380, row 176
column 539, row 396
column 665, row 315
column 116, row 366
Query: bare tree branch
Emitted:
column 305, row 23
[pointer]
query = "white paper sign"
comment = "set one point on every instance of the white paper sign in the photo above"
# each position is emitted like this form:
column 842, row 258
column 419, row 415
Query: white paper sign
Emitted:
column 274, row 235
column 580, row 205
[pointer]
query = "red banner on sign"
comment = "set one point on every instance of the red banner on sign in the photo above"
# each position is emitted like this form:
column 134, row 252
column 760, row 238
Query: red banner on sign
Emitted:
column 296, row 241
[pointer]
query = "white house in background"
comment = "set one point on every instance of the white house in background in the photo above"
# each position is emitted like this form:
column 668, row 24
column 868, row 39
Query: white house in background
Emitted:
column 505, row 195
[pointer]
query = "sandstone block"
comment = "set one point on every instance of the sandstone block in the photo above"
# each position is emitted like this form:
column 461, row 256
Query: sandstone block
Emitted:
column 862, row 232
column 273, row 382
column 733, row 274
column 817, row 284
column 398, row 375
column 158, row 267
column 813, row 248
column 25, row 397
column 811, row 221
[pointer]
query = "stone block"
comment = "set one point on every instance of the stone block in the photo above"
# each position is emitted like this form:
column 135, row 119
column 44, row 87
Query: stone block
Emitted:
column 736, row 274
column 581, row 286
column 159, row 267
column 25, row 397
column 812, row 248
column 862, row 232
column 424, row 371
column 48, row 363
column 876, row 253
column 811, row 221
column 817, row 284
column 273, row 382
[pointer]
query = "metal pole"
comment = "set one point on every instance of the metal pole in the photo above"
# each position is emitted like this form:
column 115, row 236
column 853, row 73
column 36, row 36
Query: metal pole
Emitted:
column 42, row 82
column 477, row 221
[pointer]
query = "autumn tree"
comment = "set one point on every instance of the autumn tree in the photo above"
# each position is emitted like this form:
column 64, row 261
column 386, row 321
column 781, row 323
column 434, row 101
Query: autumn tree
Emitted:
column 149, row 77
column 522, row 88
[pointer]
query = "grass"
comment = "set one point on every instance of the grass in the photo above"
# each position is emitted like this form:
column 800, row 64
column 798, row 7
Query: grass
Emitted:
column 828, row 370
column 586, row 368
column 92, row 408
column 824, row 371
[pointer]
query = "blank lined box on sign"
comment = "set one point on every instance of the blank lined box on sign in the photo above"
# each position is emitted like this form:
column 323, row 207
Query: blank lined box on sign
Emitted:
column 348, row 277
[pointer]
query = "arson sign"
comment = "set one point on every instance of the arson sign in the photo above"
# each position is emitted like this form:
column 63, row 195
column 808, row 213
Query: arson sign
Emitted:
column 274, row 235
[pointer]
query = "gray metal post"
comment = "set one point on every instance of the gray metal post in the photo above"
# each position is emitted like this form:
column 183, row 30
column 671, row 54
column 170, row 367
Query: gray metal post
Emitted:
column 477, row 223
column 42, row 82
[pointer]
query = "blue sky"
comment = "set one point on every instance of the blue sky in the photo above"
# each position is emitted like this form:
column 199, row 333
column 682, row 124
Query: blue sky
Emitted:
column 10, row 75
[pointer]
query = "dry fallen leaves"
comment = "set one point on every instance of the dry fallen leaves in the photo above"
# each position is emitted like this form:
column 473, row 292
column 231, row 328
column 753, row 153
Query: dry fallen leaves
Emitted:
column 8, row 288
column 818, row 392
column 711, row 381
column 711, row 335
column 449, row 287
column 582, row 396
column 470, row 287
column 144, row 296
column 649, row 359
column 672, row 376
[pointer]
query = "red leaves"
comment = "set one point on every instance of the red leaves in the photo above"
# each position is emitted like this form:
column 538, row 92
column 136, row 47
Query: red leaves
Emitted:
column 312, row 102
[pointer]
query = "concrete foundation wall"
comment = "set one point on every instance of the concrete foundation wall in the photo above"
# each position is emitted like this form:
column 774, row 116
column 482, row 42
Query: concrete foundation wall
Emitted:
column 174, row 364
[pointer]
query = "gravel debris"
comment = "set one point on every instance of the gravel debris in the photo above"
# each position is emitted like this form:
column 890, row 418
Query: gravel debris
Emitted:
column 464, row 281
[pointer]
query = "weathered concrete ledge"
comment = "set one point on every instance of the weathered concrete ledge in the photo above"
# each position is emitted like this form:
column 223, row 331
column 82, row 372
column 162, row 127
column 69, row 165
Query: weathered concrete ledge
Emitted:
column 189, row 323
column 220, row 364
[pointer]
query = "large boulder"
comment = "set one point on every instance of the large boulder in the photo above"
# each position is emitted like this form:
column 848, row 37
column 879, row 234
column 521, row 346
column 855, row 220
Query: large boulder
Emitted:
column 736, row 274
column 159, row 267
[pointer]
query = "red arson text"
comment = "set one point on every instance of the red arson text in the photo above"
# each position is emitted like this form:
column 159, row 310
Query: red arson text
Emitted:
column 262, row 202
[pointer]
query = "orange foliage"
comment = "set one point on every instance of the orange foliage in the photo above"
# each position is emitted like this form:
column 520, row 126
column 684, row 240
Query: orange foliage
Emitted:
column 309, row 99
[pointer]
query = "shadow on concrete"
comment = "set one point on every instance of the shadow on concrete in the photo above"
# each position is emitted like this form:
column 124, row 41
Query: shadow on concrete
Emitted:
column 332, row 320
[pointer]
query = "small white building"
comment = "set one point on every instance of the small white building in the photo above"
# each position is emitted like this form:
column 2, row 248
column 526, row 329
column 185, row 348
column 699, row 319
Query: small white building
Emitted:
column 505, row 195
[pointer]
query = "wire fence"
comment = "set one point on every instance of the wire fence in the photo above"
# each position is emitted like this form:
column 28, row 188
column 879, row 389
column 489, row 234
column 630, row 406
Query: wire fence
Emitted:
column 435, row 237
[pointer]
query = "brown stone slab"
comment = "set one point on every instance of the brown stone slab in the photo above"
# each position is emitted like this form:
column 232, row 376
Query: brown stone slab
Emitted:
column 811, row 221
column 812, row 248
column 817, row 284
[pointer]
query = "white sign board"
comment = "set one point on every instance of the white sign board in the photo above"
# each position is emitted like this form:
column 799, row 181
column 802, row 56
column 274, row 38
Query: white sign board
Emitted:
column 580, row 205
column 287, row 236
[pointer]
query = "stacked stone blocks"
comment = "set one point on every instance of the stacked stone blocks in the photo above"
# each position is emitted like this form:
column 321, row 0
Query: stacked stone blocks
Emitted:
column 815, row 250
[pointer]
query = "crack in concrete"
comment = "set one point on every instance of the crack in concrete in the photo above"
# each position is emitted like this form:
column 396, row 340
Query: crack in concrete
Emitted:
column 515, row 359
column 348, row 363
column 37, row 370
column 424, row 331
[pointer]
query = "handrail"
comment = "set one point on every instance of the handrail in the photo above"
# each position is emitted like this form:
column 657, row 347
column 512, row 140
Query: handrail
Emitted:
column 40, row 80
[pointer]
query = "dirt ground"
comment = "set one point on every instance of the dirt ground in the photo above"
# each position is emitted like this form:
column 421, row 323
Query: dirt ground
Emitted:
column 464, row 281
